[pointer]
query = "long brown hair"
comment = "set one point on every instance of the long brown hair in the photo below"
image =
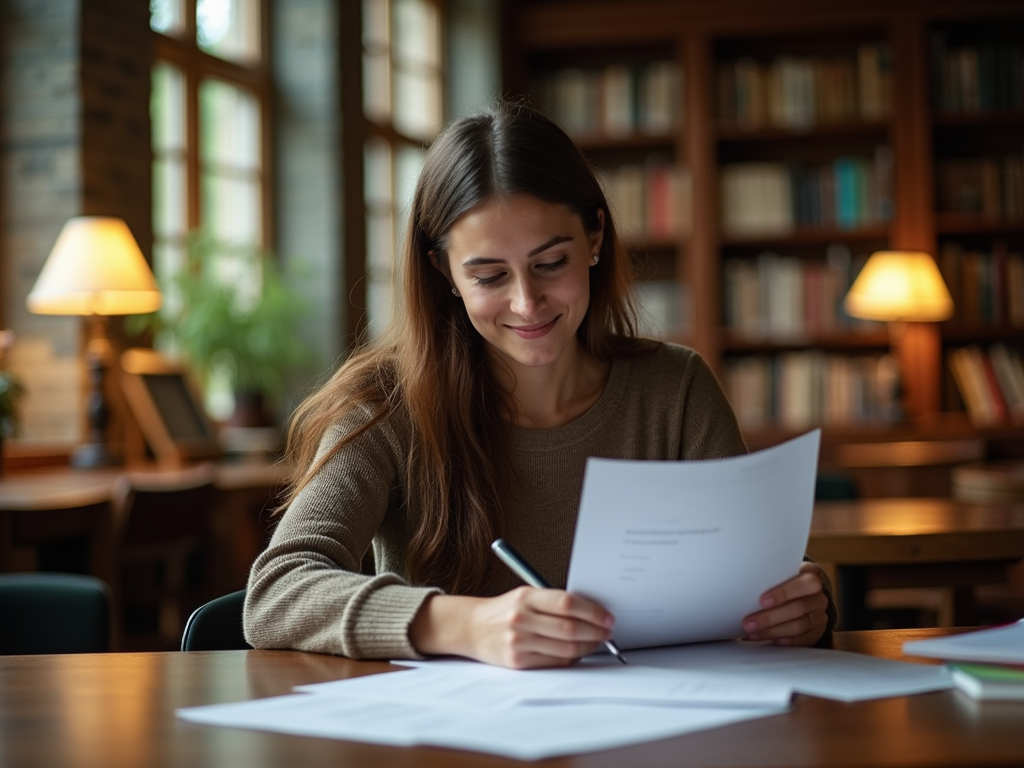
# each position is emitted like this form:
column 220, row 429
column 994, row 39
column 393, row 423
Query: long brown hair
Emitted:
column 430, row 366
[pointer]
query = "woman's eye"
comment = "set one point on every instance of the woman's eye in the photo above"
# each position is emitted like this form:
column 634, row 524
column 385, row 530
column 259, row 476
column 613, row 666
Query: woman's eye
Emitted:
column 488, row 280
column 554, row 266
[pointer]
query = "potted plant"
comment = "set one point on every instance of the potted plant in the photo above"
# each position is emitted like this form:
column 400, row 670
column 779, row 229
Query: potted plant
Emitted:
column 11, row 393
column 231, row 316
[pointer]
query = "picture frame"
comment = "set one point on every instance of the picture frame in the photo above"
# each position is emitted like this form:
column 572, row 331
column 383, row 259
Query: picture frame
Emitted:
column 168, row 408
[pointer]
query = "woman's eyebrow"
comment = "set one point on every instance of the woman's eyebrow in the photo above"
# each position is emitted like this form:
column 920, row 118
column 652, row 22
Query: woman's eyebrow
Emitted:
column 550, row 243
column 477, row 261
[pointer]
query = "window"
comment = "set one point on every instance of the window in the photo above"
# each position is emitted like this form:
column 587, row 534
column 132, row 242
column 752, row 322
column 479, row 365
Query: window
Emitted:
column 210, row 145
column 403, row 105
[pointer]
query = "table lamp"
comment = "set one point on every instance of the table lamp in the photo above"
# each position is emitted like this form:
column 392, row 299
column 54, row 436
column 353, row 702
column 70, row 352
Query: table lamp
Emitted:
column 95, row 269
column 905, row 290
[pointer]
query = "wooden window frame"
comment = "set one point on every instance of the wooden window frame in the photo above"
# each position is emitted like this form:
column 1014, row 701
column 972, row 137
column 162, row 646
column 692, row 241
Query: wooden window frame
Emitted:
column 183, row 51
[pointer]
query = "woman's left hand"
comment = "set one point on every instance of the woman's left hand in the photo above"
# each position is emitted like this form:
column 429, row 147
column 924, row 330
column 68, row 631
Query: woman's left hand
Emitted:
column 794, row 611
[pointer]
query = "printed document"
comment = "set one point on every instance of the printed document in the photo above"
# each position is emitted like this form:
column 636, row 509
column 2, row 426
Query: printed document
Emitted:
column 681, row 551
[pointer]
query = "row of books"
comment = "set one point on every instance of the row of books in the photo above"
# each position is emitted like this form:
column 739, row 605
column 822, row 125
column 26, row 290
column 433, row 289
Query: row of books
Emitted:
column 990, row 186
column 776, row 198
column 987, row 286
column 614, row 101
column 796, row 390
column 800, row 92
column 991, row 384
column 784, row 298
column 972, row 78
column 653, row 201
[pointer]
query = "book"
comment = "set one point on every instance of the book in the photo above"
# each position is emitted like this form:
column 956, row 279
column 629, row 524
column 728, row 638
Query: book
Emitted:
column 988, row 681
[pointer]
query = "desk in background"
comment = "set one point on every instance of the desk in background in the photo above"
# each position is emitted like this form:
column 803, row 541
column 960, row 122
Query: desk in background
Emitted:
column 49, row 504
column 901, row 543
column 118, row 710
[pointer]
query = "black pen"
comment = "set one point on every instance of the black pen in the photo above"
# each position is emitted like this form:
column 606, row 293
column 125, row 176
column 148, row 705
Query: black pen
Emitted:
column 521, row 568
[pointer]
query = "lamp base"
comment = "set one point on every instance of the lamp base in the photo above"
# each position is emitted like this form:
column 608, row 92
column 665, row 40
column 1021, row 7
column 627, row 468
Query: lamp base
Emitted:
column 93, row 455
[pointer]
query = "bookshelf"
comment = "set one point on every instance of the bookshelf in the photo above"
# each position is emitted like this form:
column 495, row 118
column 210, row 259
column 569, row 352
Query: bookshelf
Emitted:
column 976, row 79
column 809, row 135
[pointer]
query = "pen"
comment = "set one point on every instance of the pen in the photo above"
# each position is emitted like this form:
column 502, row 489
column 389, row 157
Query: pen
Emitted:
column 521, row 568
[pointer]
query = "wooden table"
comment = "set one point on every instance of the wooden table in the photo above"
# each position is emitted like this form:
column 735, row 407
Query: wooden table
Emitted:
column 47, row 504
column 879, row 543
column 118, row 710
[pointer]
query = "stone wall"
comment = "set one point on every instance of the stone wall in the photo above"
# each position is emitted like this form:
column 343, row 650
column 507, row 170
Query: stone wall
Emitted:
column 74, row 139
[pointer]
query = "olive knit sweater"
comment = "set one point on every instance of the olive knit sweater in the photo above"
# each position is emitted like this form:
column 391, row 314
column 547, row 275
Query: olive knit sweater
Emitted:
column 305, row 590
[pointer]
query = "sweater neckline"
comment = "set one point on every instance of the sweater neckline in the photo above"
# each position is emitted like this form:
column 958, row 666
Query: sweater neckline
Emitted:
column 527, row 439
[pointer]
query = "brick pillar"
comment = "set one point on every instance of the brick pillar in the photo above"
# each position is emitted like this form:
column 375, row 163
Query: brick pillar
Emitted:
column 74, row 139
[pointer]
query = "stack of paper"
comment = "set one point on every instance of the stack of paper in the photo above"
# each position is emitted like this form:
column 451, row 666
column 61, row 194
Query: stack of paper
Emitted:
column 988, row 664
column 523, row 714
column 598, row 704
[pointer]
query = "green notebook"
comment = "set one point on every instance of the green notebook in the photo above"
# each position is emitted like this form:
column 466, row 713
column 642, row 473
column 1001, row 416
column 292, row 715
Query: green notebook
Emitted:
column 989, row 681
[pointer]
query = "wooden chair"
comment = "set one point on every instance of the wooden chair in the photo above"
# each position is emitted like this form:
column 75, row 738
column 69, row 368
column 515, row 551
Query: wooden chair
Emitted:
column 161, row 525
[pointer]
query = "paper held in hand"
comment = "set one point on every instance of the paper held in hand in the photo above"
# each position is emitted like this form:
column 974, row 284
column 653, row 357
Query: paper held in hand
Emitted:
column 681, row 551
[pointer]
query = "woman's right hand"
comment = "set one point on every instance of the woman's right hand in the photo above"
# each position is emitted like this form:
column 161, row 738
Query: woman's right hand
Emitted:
column 522, row 629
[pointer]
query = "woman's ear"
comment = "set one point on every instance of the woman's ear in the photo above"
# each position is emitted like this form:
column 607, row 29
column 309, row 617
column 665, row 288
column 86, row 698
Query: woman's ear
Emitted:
column 440, row 263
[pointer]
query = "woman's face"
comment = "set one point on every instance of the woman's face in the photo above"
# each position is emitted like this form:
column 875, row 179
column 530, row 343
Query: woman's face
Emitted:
column 521, row 266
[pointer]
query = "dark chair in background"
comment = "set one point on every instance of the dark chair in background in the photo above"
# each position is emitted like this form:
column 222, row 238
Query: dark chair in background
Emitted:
column 53, row 613
column 217, row 626
column 162, row 522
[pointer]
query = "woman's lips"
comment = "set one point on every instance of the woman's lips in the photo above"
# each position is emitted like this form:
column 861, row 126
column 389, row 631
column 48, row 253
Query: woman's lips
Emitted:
column 533, row 331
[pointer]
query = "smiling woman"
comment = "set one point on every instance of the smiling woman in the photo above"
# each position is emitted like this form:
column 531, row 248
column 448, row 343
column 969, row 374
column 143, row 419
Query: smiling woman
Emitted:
column 513, row 359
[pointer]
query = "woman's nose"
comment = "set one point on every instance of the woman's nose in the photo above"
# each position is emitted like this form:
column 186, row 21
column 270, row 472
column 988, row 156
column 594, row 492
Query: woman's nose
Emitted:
column 526, row 297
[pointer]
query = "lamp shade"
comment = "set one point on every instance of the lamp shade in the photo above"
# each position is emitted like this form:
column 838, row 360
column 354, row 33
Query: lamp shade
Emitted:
column 95, row 268
column 899, row 285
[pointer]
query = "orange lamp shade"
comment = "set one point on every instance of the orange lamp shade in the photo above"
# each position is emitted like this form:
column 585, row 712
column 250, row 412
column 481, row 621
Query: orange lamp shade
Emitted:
column 899, row 286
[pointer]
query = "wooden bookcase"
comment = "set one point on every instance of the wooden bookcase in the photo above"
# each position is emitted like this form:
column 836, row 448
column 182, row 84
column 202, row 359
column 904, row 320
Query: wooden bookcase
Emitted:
column 810, row 134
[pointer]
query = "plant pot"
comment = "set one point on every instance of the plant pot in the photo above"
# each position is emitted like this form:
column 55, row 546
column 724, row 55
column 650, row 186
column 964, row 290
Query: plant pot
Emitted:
column 250, row 411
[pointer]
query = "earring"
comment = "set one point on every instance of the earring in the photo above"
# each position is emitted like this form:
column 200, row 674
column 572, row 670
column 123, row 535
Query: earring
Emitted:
column 455, row 292
column 594, row 259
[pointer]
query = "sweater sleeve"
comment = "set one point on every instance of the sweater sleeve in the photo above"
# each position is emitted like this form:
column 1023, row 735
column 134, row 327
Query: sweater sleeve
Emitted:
column 305, row 591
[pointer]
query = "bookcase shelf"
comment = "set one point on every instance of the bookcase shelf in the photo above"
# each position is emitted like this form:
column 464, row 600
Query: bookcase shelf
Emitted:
column 822, row 236
column 798, row 90
column 733, row 343
column 973, row 223
column 980, row 119
column 731, row 132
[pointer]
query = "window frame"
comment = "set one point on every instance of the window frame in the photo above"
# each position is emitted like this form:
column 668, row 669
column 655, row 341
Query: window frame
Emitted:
column 183, row 52
column 375, row 129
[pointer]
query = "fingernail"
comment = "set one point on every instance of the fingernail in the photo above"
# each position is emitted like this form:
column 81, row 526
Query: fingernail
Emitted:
column 750, row 626
column 767, row 601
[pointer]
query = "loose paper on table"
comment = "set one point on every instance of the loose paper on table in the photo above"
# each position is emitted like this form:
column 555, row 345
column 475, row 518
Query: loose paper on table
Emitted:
column 681, row 551
column 998, row 645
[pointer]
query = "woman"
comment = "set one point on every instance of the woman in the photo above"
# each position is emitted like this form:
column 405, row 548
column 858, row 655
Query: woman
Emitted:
column 513, row 358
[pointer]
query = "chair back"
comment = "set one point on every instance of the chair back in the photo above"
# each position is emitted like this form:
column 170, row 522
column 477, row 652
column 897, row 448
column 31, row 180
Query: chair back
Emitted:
column 217, row 625
column 162, row 520
column 163, row 507
column 53, row 613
